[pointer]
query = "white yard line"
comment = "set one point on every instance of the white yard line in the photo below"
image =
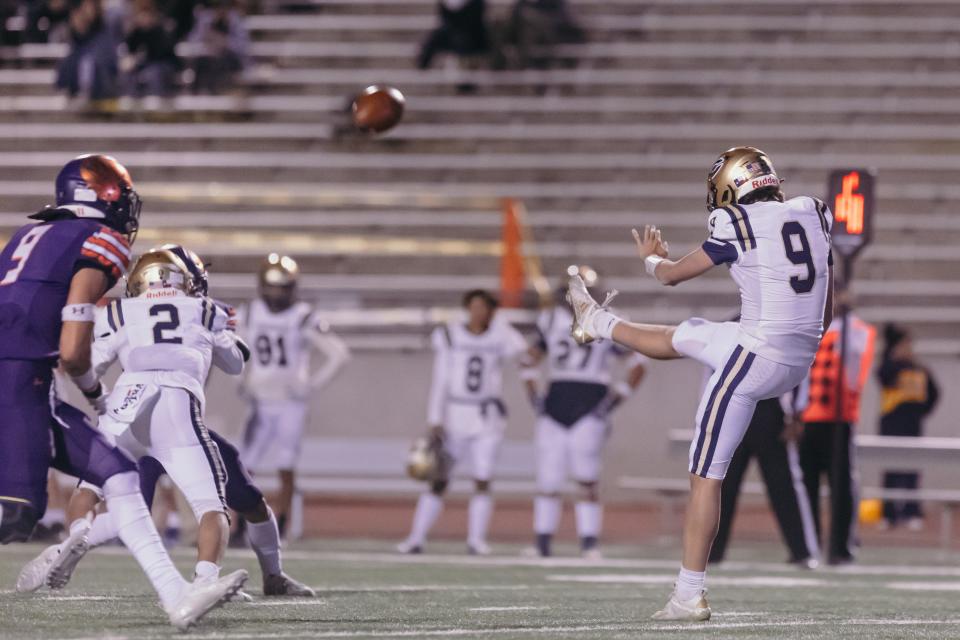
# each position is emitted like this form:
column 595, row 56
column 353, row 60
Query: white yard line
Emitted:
column 924, row 586
column 758, row 581
column 425, row 587
column 607, row 563
column 486, row 609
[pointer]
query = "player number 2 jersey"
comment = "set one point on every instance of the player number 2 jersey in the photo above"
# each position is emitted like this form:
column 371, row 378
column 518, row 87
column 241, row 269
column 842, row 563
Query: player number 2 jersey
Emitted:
column 779, row 256
column 165, row 337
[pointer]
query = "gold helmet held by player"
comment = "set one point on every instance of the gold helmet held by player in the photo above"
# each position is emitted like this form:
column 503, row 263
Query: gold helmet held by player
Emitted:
column 279, row 271
column 167, row 266
column 427, row 460
column 739, row 175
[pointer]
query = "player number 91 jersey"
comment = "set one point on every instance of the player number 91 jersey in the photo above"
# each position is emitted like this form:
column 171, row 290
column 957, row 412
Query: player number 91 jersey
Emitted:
column 279, row 367
column 779, row 255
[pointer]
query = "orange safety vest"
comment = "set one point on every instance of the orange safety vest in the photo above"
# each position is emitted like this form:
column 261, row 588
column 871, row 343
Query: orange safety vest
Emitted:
column 823, row 406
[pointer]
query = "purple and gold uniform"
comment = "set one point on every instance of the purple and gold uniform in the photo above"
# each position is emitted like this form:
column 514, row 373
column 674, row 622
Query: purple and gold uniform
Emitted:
column 37, row 429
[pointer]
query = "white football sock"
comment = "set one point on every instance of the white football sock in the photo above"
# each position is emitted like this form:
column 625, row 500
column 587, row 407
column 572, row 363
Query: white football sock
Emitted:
column 206, row 570
column 264, row 537
column 589, row 519
column 478, row 517
column 690, row 583
column 546, row 514
column 135, row 527
column 604, row 322
column 103, row 530
column 428, row 510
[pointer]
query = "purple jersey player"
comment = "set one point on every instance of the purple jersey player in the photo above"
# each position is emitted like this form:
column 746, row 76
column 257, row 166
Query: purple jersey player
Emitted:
column 51, row 275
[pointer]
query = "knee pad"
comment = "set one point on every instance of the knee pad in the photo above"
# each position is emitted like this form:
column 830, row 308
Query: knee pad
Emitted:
column 242, row 496
column 17, row 521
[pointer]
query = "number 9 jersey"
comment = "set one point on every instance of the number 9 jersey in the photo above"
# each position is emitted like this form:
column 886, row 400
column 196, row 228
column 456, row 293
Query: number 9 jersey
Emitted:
column 779, row 255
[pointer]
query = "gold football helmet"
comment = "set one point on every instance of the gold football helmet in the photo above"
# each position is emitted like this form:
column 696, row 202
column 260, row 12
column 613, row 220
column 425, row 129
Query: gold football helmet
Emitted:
column 428, row 461
column 737, row 173
column 167, row 266
column 278, row 270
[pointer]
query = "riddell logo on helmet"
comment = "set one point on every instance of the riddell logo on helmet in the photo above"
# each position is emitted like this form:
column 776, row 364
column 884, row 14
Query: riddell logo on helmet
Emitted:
column 765, row 181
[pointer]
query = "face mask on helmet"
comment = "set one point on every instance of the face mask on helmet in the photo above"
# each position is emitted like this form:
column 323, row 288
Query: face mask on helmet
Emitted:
column 195, row 266
column 99, row 187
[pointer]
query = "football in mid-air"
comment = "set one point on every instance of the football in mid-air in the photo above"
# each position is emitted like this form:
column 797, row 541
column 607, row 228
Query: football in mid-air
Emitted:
column 378, row 108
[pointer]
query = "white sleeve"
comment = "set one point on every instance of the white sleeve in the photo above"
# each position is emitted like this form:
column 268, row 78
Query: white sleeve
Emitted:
column 441, row 368
column 728, row 240
column 333, row 349
column 230, row 353
column 106, row 343
column 514, row 342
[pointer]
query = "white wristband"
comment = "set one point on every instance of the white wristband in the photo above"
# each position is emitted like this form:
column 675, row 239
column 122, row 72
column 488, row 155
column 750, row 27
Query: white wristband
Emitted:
column 623, row 389
column 651, row 263
column 78, row 313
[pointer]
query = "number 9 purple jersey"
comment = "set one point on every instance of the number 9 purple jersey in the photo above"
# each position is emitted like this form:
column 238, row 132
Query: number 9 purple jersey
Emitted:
column 36, row 268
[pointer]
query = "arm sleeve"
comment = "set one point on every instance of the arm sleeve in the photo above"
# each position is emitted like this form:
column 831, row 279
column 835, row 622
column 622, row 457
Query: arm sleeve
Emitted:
column 107, row 251
column 724, row 246
column 329, row 345
column 228, row 354
column 438, row 384
column 106, row 343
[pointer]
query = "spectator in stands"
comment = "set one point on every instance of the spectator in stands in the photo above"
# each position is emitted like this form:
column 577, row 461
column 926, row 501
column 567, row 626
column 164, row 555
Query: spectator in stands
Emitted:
column 47, row 21
column 909, row 394
column 90, row 69
column 152, row 63
column 538, row 25
column 181, row 13
column 8, row 9
column 462, row 31
column 223, row 45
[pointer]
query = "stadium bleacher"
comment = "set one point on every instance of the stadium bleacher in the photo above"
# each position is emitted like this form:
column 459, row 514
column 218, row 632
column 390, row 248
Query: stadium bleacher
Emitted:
column 384, row 219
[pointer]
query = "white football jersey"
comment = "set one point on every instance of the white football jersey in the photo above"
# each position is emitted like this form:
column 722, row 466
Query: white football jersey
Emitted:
column 469, row 367
column 568, row 361
column 279, row 368
column 779, row 256
column 165, row 332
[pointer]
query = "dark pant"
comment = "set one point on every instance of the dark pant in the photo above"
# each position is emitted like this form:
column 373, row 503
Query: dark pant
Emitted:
column 38, row 433
column 896, row 510
column 241, row 494
column 816, row 459
column 781, row 474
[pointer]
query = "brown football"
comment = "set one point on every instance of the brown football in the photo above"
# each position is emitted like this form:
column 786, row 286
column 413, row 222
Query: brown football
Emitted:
column 378, row 108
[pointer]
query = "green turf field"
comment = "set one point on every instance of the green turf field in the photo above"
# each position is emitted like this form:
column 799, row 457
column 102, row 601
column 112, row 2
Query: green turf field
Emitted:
column 367, row 592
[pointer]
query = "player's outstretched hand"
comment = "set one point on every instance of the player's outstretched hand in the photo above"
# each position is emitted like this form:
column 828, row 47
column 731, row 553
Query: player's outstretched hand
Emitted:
column 650, row 242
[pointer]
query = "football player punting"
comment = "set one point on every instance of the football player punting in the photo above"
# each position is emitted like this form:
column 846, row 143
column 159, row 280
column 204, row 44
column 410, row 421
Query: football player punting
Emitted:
column 574, row 421
column 284, row 334
column 779, row 255
column 51, row 275
column 466, row 414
